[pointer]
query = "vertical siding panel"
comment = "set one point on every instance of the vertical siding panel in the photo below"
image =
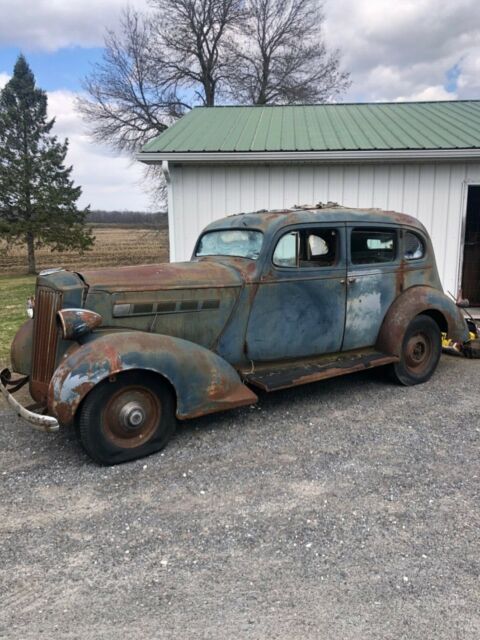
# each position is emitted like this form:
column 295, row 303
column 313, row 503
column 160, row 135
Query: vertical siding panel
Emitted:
column 440, row 207
column 204, row 194
column 247, row 189
column 335, row 183
column 411, row 190
column 450, row 243
column 365, row 186
column 350, row 186
column 396, row 185
column 175, row 211
column 218, row 193
column 320, row 183
column 455, row 232
column 262, row 188
column 306, row 191
column 425, row 195
column 291, row 177
column 232, row 185
column 380, row 187
column 473, row 173
column 180, row 215
column 276, row 187
column 194, row 211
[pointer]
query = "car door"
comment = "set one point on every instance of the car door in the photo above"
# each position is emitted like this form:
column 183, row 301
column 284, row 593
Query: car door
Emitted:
column 373, row 264
column 299, row 306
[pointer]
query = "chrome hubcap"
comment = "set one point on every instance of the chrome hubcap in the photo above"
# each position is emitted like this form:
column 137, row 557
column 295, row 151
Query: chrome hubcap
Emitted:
column 132, row 415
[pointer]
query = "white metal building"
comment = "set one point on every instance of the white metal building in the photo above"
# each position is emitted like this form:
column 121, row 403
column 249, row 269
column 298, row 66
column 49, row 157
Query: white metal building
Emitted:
column 418, row 158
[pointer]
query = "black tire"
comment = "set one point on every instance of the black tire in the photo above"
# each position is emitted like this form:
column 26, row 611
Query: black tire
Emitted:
column 421, row 350
column 127, row 418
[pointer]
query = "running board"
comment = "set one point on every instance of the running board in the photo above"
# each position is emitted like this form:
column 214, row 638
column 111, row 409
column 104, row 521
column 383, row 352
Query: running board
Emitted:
column 281, row 376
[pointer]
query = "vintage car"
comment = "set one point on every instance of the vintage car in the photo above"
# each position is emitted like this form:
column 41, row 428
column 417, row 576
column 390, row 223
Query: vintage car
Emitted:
column 269, row 300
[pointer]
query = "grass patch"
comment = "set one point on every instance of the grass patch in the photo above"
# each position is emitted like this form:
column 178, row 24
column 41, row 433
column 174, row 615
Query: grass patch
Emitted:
column 14, row 291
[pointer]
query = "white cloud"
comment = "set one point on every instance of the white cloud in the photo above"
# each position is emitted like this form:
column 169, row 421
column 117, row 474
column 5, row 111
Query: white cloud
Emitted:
column 469, row 79
column 4, row 78
column 405, row 49
column 429, row 94
column 51, row 24
column 108, row 181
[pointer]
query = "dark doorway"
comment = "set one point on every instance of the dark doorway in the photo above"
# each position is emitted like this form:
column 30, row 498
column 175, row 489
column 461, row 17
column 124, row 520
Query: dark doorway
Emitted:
column 471, row 251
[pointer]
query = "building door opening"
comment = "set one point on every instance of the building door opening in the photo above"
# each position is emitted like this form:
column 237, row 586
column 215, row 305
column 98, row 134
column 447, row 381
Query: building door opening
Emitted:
column 471, row 250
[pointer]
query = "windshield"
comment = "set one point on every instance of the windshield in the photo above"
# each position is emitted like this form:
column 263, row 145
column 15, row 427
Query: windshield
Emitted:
column 243, row 243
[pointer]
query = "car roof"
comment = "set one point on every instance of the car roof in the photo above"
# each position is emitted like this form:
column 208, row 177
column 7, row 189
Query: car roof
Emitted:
column 271, row 220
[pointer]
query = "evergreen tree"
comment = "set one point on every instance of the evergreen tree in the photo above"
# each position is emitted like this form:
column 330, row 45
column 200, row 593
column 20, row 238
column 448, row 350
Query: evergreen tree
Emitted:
column 37, row 195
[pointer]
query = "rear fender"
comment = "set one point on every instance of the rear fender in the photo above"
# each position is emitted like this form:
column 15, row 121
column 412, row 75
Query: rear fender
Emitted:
column 203, row 382
column 411, row 303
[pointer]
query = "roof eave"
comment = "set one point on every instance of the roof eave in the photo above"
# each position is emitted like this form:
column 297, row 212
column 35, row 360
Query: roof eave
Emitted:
column 156, row 157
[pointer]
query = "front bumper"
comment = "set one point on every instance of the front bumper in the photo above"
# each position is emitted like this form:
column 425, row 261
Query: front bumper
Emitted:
column 37, row 420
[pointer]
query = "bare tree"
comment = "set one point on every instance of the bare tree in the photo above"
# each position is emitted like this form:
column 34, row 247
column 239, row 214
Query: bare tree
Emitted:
column 282, row 57
column 129, row 100
column 189, row 52
column 193, row 38
column 157, row 67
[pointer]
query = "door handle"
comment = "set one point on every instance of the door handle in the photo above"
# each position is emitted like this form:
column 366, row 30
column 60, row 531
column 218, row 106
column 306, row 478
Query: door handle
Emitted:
column 351, row 280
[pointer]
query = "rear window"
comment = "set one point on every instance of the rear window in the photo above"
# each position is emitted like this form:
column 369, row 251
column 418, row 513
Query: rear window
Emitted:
column 373, row 246
column 414, row 246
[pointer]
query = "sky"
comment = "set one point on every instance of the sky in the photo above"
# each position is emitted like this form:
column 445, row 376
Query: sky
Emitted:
column 394, row 51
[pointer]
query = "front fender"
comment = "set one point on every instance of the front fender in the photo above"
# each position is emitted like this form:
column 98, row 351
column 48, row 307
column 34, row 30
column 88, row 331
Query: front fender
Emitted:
column 409, row 304
column 21, row 349
column 203, row 382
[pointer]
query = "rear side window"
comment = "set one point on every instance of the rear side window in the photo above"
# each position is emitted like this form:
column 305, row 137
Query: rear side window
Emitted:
column 372, row 246
column 414, row 246
column 307, row 248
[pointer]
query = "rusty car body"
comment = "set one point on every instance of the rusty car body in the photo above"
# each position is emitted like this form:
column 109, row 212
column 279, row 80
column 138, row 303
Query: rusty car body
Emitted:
column 269, row 300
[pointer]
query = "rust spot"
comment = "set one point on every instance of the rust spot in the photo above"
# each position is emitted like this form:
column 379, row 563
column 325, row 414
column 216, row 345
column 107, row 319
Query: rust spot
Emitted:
column 175, row 275
column 400, row 277
column 239, row 397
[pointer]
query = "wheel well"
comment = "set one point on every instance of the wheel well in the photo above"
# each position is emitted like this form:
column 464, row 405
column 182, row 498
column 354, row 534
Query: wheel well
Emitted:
column 158, row 376
column 149, row 372
column 438, row 317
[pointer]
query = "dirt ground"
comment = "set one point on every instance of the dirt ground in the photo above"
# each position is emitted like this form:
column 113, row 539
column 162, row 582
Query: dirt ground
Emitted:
column 114, row 245
column 343, row 510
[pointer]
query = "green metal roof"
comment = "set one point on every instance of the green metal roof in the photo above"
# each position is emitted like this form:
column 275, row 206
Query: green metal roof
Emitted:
column 326, row 127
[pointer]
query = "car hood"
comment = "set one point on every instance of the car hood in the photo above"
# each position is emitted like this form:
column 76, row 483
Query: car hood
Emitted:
column 175, row 275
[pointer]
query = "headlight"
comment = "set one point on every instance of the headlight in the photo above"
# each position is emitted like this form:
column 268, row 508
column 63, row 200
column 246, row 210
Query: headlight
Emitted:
column 76, row 322
column 30, row 307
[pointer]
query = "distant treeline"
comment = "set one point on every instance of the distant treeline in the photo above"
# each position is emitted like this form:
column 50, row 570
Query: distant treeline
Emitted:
column 137, row 218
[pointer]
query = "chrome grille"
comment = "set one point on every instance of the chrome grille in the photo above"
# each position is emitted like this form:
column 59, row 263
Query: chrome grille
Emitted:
column 45, row 336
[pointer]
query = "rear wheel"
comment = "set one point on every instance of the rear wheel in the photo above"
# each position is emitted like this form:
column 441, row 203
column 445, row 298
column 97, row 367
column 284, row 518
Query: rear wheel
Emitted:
column 421, row 349
column 127, row 418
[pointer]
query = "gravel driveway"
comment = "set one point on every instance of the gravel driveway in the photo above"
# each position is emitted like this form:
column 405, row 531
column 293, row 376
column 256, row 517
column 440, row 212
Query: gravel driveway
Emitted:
column 347, row 509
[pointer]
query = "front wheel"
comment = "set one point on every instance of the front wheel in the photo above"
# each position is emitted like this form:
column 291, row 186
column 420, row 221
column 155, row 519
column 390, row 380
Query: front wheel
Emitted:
column 421, row 350
column 127, row 418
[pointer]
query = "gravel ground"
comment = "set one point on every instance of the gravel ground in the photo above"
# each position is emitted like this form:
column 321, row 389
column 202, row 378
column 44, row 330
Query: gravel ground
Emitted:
column 347, row 509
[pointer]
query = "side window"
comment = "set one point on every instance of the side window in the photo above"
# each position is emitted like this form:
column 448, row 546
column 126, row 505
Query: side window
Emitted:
column 286, row 251
column 307, row 248
column 372, row 246
column 414, row 246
